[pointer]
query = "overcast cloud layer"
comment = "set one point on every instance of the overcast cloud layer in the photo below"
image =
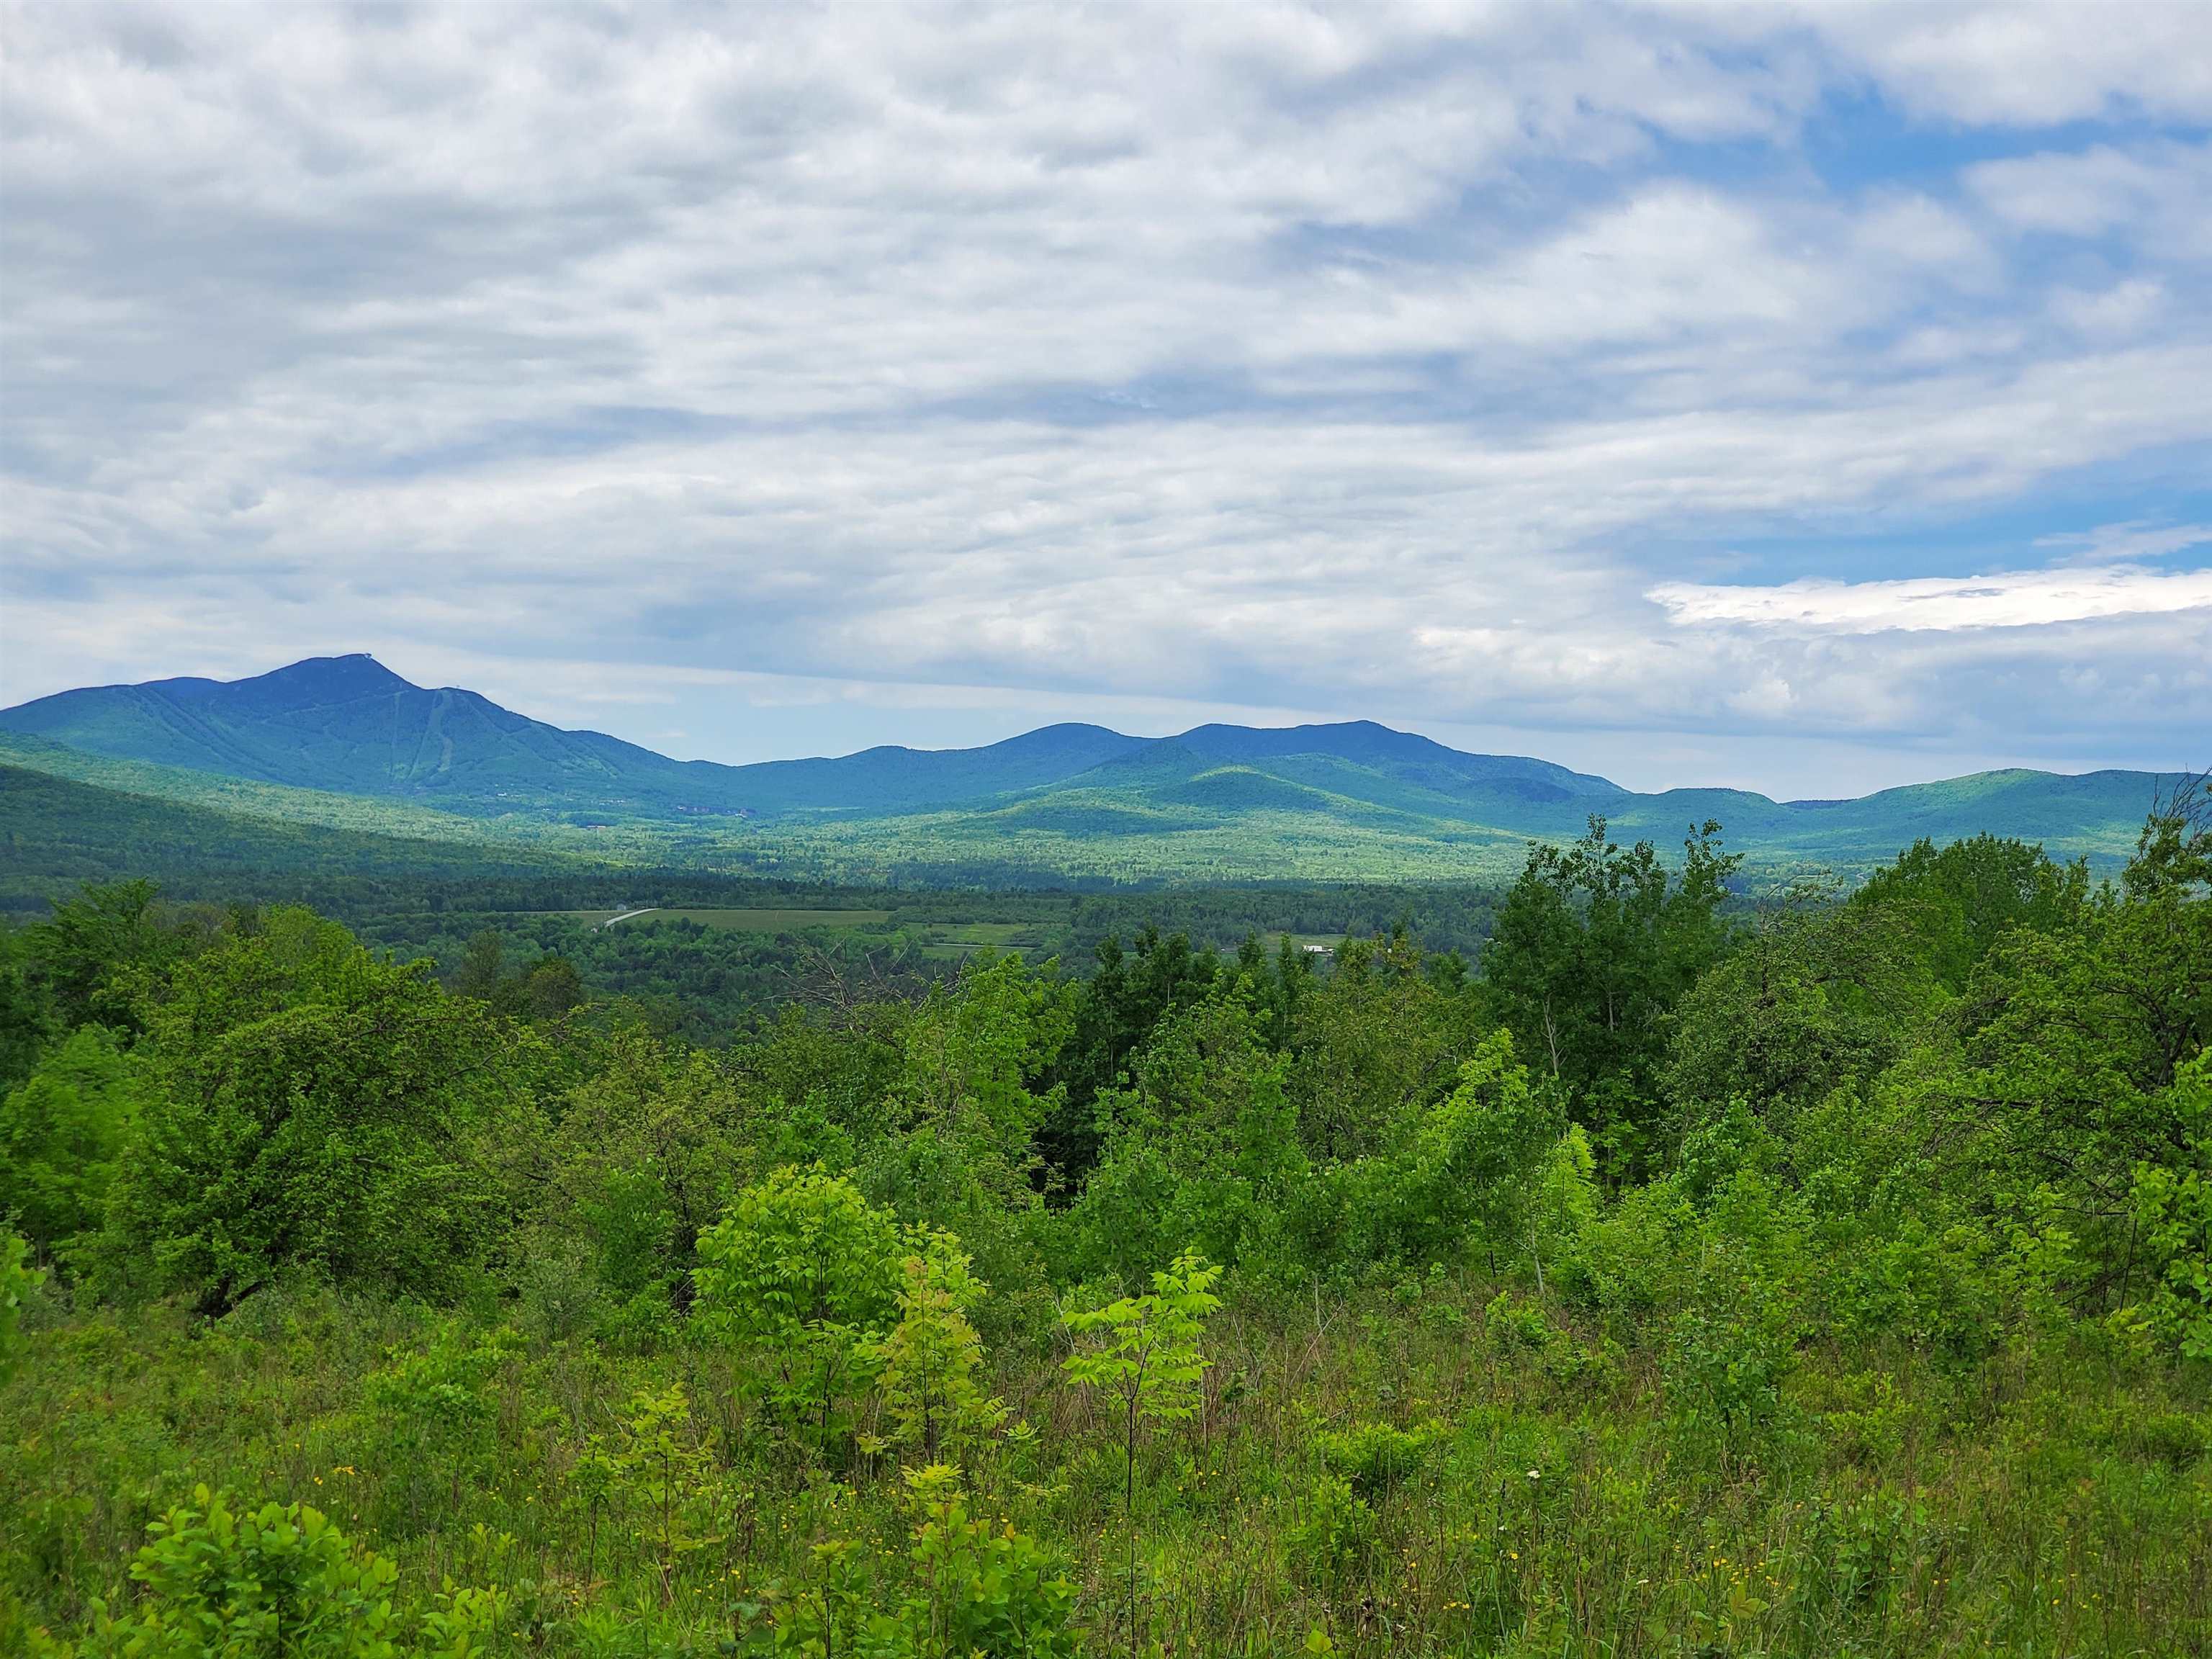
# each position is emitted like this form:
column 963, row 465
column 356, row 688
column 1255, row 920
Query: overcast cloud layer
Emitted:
column 1810, row 399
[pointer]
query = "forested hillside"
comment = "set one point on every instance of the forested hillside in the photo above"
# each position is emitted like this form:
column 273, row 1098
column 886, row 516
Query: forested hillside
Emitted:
column 345, row 742
column 1662, row 1276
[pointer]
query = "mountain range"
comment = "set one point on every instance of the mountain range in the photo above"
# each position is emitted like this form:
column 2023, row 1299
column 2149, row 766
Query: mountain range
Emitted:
column 1216, row 802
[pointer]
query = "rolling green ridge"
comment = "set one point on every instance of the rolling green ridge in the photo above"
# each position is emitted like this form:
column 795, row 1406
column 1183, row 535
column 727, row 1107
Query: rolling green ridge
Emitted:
column 56, row 833
column 344, row 743
column 350, row 726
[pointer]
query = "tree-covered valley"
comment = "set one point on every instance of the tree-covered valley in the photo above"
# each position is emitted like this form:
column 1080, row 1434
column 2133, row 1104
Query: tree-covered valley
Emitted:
column 1626, row 1260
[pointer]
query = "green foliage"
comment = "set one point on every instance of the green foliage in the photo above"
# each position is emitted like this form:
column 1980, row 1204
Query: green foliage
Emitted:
column 1734, row 1343
column 436, row 1411
column 1377, row 1041
column 1144, row 1351
column 18, row 1280
column 308, row 1107
column 1812, row 1000
column 803, row 1273
column 988, row 1590
column 100, row 951
column 1471, row 1171
column 1376, row 1458
column 1334, row 1539
column 279, row 1580
column 1202, row 1149
column 2173, row 1218
column 59, row 1135
column 1889, row 1339
column 927, row 1367
column 1960, row 899
column 1592, row 949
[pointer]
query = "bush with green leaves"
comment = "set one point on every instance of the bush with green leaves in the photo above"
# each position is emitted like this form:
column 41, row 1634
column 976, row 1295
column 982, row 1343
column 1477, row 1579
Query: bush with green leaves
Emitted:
column 1334, row 1534
column 1470, row 1172
column 1734, row 1343
column 2173, row 1212
column 1592, row 949
column 279, row 1582
column 1376, row 1458
column 802, row 1274
column 18, row 1280
column 926, row 1368
column 435, row 1406
column 985, row 1589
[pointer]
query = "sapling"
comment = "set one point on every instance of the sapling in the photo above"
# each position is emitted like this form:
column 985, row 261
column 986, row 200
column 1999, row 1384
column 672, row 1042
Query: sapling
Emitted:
column 927, row 1365
column 1147, row 1357
column 803, row 1272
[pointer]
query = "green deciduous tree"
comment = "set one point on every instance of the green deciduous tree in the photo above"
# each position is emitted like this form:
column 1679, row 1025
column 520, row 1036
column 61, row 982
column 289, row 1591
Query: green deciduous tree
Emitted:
column 1958, row 900
column 1143, row 1354
column 1591, row 950
column 59, row 1135
column 802, row 1272
column 309, row 1107
column 2173, row 1225
column 1377, row 1040
column 1468, row 1171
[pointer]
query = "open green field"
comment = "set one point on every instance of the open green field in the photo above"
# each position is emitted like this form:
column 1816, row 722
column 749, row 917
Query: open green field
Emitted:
column 765, row 920
column 947, row 940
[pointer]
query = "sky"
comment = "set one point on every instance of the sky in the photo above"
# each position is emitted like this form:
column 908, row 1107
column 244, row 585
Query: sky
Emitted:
column 1806, row 400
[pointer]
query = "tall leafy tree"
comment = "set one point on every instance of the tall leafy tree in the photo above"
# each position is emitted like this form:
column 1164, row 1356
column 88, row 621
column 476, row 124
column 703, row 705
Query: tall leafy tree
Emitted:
column 59, row 1135
column 310, row 1107
column 1592, row 949
column 1379, row 1040
column 1115, row 1011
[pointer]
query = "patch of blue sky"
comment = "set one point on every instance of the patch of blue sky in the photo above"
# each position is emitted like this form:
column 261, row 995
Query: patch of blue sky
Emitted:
column 1857, row 141
column 2062, row 521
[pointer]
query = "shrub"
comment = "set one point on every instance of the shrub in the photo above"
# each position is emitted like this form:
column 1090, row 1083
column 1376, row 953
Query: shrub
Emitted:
column 803, row 1272
column 281, row 1581
column 1376, row 1458
column 1334, row 1539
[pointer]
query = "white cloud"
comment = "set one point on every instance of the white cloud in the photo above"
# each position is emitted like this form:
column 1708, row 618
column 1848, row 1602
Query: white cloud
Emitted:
column 1376, row 361
column 2117, row 543
column 2011, row 598
column 2030, row 65
column 2158, row 193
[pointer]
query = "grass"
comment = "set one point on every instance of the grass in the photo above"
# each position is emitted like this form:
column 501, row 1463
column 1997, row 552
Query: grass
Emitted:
column 2041, row 1504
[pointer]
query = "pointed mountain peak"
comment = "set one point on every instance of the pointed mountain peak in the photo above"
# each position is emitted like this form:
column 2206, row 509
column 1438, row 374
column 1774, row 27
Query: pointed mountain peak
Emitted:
column 317, row 680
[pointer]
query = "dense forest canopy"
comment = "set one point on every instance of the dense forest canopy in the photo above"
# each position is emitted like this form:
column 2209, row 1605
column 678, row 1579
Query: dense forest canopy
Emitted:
column 1651, row 1273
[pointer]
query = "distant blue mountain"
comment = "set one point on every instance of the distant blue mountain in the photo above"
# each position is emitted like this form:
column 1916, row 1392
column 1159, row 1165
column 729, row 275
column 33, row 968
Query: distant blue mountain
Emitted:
column 350, row 726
